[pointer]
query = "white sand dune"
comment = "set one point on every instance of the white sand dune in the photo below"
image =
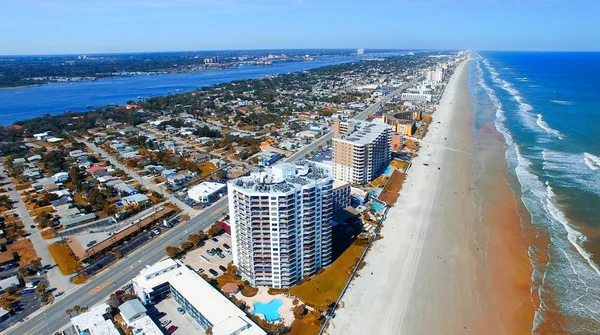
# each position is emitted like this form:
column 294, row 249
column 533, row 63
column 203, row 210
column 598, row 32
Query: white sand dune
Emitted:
column 420, row 278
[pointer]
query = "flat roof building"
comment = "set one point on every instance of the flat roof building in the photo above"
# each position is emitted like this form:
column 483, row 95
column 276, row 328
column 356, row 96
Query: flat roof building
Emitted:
column 204, row 303
column 93, row 322
column 281, row 223
column 204, row 191
column 360, row 151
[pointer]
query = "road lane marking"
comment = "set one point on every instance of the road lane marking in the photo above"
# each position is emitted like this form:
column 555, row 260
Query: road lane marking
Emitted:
column 33, row 328
column 100, row 287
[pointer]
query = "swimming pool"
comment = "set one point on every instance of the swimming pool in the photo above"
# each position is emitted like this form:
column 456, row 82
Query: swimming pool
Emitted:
column 270, row 310
column 387, row 170
column 377, row 206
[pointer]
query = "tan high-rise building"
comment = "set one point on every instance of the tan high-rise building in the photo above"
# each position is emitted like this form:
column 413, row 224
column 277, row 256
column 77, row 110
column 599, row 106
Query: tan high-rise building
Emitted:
column 361, row 150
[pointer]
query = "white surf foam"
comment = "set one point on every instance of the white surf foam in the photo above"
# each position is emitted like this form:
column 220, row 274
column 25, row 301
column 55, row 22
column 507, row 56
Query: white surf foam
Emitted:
column 524, row 79
column 544, row 125
column 563, row 102
column 540, row 201
column 593, row 162
column 528, row 117
column 575, row 237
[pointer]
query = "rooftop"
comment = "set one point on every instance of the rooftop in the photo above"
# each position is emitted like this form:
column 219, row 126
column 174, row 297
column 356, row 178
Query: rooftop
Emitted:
column 363, row 133
column 283, row 177
column 131, row 308
column 224, row 316
column 93, row 322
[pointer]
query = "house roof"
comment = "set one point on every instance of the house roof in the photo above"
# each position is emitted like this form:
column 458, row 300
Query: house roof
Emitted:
column 96, row 168
column 131, row 308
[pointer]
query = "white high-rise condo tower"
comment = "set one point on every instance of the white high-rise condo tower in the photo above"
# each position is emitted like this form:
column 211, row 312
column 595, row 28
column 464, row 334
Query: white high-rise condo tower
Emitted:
column 281, row 223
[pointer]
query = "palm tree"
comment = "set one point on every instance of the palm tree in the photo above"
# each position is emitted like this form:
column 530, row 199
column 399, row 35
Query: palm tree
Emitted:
column 41, row 288
column 76, row 308
column 69, row 311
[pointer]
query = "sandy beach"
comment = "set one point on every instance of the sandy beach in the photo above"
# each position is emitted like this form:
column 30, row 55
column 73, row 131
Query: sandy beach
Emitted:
column 432, row 272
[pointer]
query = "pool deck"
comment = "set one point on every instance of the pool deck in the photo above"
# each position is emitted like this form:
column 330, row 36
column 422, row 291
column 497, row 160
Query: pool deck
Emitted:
column 285, row 311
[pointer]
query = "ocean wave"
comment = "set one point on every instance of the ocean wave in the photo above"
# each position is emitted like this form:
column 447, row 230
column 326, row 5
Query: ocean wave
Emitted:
column 524, row 79
column 563, row 102
column 544, row 125
column 593, row 162
column 575, row 237
column 572, row 272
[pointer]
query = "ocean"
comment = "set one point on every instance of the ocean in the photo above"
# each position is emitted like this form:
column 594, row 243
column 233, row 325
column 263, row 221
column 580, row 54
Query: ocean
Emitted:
column 55, row 98
column 547, row 108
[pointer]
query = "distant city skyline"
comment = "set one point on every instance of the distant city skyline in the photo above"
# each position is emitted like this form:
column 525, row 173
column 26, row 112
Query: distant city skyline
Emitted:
column 31, row 27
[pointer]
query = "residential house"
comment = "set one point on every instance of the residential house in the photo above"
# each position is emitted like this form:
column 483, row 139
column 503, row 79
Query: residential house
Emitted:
column 34, row 158
column 200, row 158
column 125, row 189
column 169, row 173
column 136, row 199
column 60, row 177
column 43, row 136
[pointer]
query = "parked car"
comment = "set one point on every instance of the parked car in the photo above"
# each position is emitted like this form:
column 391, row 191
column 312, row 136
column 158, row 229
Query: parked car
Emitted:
column 226, row 246
column 181, row 310
column 200, row 271
column 10, row 189
column 165, row 323
column 222, row 268
column 156, row 231
column 213, row 272
column 215, row 239
column 219, row 250
column 227, row 251
column 58, row 294
column 220, row 255
column 210, row 252
column 171, row 329
column 32, row 226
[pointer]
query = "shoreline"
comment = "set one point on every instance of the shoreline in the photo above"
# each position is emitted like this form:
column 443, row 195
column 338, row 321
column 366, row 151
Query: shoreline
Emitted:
column 424, row 268
column 444, row 264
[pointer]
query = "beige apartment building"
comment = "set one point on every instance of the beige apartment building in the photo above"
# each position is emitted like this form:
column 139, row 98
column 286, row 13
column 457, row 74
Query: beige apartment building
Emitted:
column 360, row 151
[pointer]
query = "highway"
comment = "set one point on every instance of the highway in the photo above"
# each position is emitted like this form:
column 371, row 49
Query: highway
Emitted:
column 300, row 154
column 97, row 289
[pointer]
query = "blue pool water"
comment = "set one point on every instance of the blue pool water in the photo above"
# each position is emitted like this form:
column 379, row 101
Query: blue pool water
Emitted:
column 387, row 170
column 270, row 310
column 119, row 204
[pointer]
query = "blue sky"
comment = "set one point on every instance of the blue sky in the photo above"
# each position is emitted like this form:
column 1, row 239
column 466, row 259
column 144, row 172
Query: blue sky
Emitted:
column 91, row 26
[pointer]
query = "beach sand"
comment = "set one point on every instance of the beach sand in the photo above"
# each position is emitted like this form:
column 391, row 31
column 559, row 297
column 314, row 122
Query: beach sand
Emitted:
column 433, row 272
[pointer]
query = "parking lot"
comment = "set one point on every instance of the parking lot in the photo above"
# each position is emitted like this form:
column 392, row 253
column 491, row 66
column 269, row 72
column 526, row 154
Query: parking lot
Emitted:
column 185, row 324
column 201, row 261
column 27, row 304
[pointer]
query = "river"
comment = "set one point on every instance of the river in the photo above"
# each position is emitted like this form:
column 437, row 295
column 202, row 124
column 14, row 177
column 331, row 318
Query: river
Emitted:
column 55, row 98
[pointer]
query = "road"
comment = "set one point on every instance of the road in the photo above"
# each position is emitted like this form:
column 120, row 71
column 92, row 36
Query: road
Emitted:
column 98, row 288
column 301, row 154
column 102, row 285
column 57, row 280
column 146, row 183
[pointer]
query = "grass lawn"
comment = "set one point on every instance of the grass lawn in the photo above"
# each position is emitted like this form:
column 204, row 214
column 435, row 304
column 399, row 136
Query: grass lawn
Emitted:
column 25, row 250
column 326, row 287
column 66, row 262
column 227, row 278
column 304, row 327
